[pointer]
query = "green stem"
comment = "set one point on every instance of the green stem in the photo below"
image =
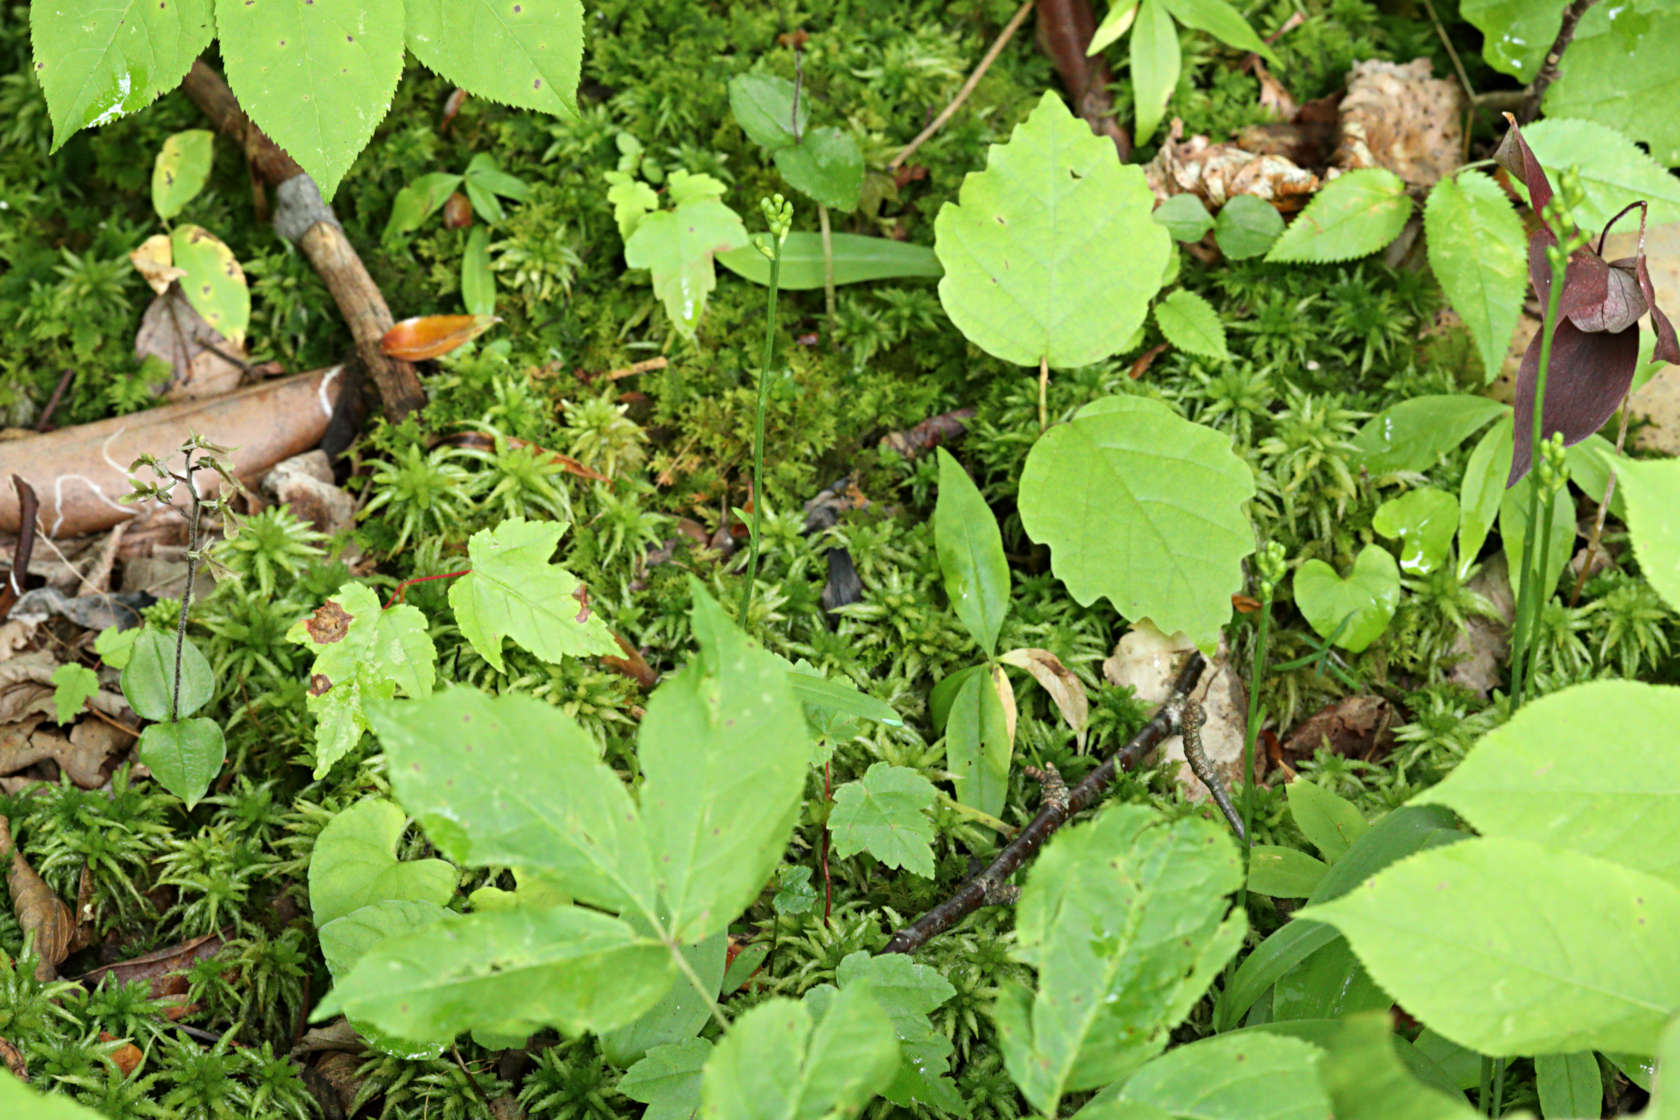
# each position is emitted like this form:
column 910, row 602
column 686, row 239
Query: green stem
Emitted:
column 758, row 433
column 1252, row 732
column 709, row 997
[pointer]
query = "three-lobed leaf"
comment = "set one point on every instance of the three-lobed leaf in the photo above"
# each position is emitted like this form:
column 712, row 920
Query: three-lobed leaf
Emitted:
column 1480, row 258
column 1353, row 216
column 885, row 813
column 677, row 245
column 970, row 550
column 1423, row 521
column 73, row 685
column 908, row 992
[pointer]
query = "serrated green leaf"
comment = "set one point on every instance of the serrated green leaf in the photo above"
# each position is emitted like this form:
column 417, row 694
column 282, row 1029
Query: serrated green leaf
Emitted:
column 1413, row 434
column 857, row 259
column 1480, row 258
column 1223, row 22
column 667, row 1080
column 1143, row 508
column 184, row 756
column 1356, row 609
column 1190, row 323
column 1622, row 74
column 418, row 201
column 1353, row 216
column 511, row 780
column 1184, row 216
column 527, row 55
column 1251, row 1075
column 354, row 864
column 514, row 592
column 1155, row 66
column 1247, row 227
column 214, row 283
column 73, row 684
column 722, row 733
column 1614, row 171
column 794, row 893
column 317, row 78
column 825, row 165
column 115, row 647
column 148, row 677
column 677, row 247
column 763, row 105
column 977, row 744
column 1652, row 492
column 1423, row 521
column 1050, row 253
column 96, row 63
column 1515, row 33
column 1480, row 493
column 181, row 169
column 908, row 992
column 970, row 548
column 1280, row 872
column 885, row 813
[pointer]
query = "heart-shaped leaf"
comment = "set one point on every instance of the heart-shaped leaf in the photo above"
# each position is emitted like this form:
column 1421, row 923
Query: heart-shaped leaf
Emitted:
column 1424, row 522
column 184, row 755
column 1359, row 607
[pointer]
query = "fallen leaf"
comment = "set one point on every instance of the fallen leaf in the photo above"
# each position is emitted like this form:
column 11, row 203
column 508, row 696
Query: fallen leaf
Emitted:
column 200, row 358
column 1217, row 173
column 430, row 336
column 1403, row 118
column 13, row 1058
column 154, row 260
column 38, row 910
column 1066, row 690
column 82, row 757
column 125, row 1057
column 165, row 969
column 1354, row 727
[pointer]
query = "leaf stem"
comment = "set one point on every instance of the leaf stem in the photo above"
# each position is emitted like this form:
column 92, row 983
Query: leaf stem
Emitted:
column 1251, row 732
column 186, row 592
column 758, row 432
column 699, row 986
column 1044, row 393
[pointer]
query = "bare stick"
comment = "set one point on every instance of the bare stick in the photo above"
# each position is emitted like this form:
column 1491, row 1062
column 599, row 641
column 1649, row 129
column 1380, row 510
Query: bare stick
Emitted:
column 645, row 366
column 1190, row 718
column 1549, row 68
column 1057, row 808
column 990, row 57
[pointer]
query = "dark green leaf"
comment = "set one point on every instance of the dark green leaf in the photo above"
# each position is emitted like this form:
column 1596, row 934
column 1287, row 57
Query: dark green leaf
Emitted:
column 148, row 680
column 184, row 756
column 970, row 548
column 825, row 165
column 1247, row 227
column 763, row 107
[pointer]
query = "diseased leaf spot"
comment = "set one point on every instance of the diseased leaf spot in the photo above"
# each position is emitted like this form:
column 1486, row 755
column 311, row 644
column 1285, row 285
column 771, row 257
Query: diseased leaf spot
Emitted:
column 319, row 683
column 330, row 622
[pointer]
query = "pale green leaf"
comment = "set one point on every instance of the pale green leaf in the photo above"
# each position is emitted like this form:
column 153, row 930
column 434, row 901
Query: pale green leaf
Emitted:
column 908, row 992
column 680, row 1014
column 1413, row 434
column 1480, row 258
column 885, row 813
column 857, row 259
column 725, row 731
column 1569, row 1084
column 1483, row 488
column 1329, row 822
column 73, row 684
column 148, row 678
column 527, row 55
column 214, row 283
column 514, row 592
column 1513, row 529
column 1653, row 516
column 1223, row 22
column 19, row 1102
column 1622, row 74
column 1050, row 253
column 970, row 549
column 1143, row 508
column 1184, row 216
column 354, row 864
column 1423, row 521
column 677, row 247
column 1280, row 872
column 347, row 939
column 478, row 282
column 1357, row 609
column 1512, row 948
column 181, row 169
column 1190, row 323
column 826, row 165
column 115, row 647
column 1665, row 1095
column 184, row 756
column 1251, row 1076
column 763, row 105
column 420, row 200
column 978, row 745
column 1247, row 226
column 96, row 63
column 1352, row 216
column 632, row 200
column 317, row 78
column 667, row 1080
column 1614, row 171
column 1155, row 65
column 1515, row 33
column 1116, row 23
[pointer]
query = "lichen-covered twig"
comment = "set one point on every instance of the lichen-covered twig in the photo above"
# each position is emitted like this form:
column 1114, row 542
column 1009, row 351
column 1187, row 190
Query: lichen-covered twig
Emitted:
column 1191, row 717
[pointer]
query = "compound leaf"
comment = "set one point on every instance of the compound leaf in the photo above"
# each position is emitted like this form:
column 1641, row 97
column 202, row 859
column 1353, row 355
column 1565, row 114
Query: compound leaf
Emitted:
column 527, row 55
column 885, row 814
column 1480, row 258
column 1354, row 216
column 354, row 864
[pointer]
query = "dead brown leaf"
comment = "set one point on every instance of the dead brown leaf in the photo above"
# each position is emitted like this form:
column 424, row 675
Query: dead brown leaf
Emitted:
column 1354, row 726
column 82, row 756
column 154, row 260
column 198, row 355
column 1403, row 118
column 1216, row 173
column 431, row 336
column 1066, row 690
column 13, row 1058
column 39, row 911
column 126, row 1057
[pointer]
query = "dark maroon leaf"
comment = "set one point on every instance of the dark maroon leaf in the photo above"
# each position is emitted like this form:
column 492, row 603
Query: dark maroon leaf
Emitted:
column 1590, row 373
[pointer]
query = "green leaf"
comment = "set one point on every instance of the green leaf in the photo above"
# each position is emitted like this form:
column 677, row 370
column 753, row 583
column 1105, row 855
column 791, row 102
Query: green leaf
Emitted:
column 677, row 246
column 1155, row 65
column 1223, row 22
column 1653, row 499
column 97, row 63
column 826, row 165
column 1423, row 521
column 73, row 684
column 1050, row 253
column 1589, row 464
column 483, row 171
column 148, row 679
column 567, row 967
column 1624, row 76
column 1667, row 1082
column 115, row 647
column 1247, row 227
column 1503, row 946
column 1143, row 508
column 214, row 283
column 1515, row 33
column 362, row 654
column 1513, row 529
column 489, row 208
column 19, row 1101
column 680, row 1014
column 348, row 938
column 1329, row 984
column 1614, row 170
column 1116, row 23
column 837, row 700
column 1413, row 434
column 1184, row 217
column 478, row 282
column 1481, row 492
column 1356, row 609
column 908, row 992
column 1190, row 323
column 794, row 893
column 1280, row 872
column 419, row 201
column 184, row 756
column 978, row 746
column 775, row 1065
column 527, row 55
column 667, row 1080
column 1352, row 216
column 763, row 106
column 1270, row 961
column 180, row 171
column 1124, row 917
column 857, row 259
column 970, row 548
column 354, row 864
column 1480, row 258
column 1569, row 1084
column 723, row 733
column 885, row 813
column 1366, row 1072
column 1552, row 776
column 514, row 592
column 317, row 78
column 512, row 780
column 1330, row 823
column 1250, row 1075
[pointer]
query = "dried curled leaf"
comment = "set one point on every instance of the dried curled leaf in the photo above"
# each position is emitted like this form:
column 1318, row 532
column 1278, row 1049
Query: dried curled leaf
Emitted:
column 38, row 909
column 1402, row 118
column 82, row 756
column 1217, row 173
column 431, row 336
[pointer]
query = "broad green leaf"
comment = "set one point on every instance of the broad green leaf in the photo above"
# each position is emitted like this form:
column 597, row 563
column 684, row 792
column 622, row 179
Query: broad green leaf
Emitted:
column 836, row 700
column 514, row 592
column 908, row 992
column 97, row 62
column 318, row 77
column 978, row 746
column 885, row 813
column 1372, row 1074
column 1356, row 609
column 1413, row 434
column 667, row 1080
column 1329, row 822
column 487, row 206
column 1247, row 227
column 1510, row 948
column 148, row 679
column 1124, row 917
column 478, row 282
column 354, row 864
column 1143, row 508
column 1624, row 76
column 944, row 694
column 1481, row 492
column 1458, row 1068
column 1513, row 529
column 680, row 1014
column 1480, row 258
column 794, row 893
column 1116, row 23
column 1423, row 521
column 184, row 756
column 1329, row 984
column 1551, row 775
column 1184, row 216
column 181, row 169
column 1250, row 1075
column 1569, row 1084
column 776, row 1065
column 1352, row 216
column 857, row 259
column 348, row 938
column 677, row 246
column 1050, row 253
column 1515, row 33
column 19, row 1101
column 1190, row 323
column 526, row 55
column 73, row 684
column 214, row 283
column 362, row 654
column 1666, row 1086
column 970, row 548
column 1614, row 171
column 1280, row 872
column 418, row 201
column 511, row 780
column 723, row 733
column 1223, row 22
column 826, row 165
column 569, row 968
column 763, row 105
column 1261, row 969
column 1155, row 65
column 1653, row 517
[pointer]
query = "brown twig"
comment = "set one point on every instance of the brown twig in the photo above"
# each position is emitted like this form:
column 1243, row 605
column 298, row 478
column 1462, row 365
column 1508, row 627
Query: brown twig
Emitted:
column 1054, row 811
column 1549, row 68
column 646, row 366
column 1191, row 717
column 64, row 380
column 27, row 507
column 986, row 61
column 1603, row 506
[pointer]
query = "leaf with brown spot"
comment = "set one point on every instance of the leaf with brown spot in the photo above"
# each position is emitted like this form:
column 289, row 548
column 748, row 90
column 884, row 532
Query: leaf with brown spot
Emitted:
column 328, row 624
column 38, row 909
column 1066, row 690
column 431, row 336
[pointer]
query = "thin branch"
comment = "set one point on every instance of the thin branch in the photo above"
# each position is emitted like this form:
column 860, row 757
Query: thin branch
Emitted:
column 1549, row 68
column 1055, row 811
column 986, row 61
column 28, row 504
column 1191, row 718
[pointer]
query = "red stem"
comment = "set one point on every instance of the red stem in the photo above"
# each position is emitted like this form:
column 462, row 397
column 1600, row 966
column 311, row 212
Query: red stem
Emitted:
column 396, row 596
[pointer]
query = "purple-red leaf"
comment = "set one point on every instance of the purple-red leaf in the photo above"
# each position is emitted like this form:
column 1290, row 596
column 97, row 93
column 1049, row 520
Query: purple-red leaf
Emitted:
column 1589, row 374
